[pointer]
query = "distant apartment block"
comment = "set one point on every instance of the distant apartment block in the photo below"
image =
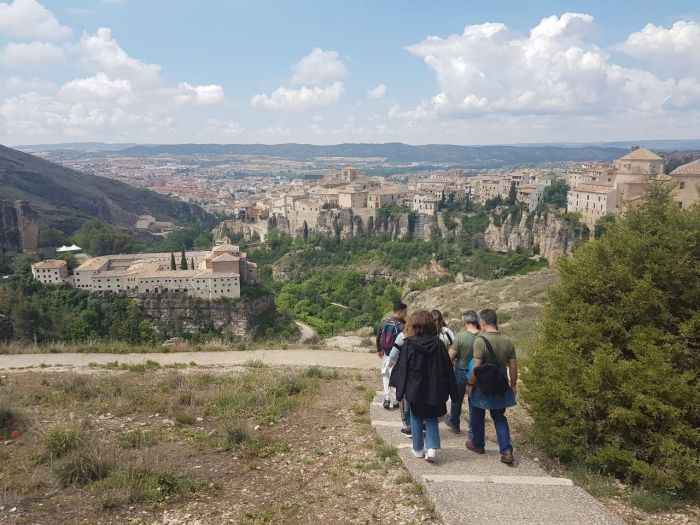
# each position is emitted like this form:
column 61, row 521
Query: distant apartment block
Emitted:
column 530, row 195
column 53, row 271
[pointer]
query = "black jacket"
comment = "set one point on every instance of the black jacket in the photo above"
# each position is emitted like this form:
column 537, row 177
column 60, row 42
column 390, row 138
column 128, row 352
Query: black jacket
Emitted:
column 424, row 375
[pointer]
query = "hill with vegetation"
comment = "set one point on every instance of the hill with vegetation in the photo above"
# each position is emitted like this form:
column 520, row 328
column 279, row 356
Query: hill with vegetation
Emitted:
column 65, row 198
column 472, row 156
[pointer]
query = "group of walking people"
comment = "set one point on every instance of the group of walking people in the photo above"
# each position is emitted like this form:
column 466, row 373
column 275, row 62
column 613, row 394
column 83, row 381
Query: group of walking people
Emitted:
column 424, row 364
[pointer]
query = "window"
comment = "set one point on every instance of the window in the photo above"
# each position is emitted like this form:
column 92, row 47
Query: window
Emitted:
column 681, row 185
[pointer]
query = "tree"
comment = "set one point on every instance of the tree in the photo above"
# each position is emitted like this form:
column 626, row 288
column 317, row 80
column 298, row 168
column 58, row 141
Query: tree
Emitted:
column 99, row 238
column 512, row 195
column 173, row 266
column 51, row 237
column 192, row 263
column 555, row 193
column 183, row 260
column 203, row 241
column 305, row 233
column 614, row 381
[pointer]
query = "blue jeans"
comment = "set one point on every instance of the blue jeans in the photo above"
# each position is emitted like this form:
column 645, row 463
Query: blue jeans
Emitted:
column 432, row 432
column 476, row 418
column 456, row 407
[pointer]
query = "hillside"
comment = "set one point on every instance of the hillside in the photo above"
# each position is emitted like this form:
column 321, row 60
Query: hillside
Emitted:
column 474, row 156
column 65, row 198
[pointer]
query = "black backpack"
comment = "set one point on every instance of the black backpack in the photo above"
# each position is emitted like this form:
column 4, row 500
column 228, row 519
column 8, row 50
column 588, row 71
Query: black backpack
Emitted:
column 489, row 377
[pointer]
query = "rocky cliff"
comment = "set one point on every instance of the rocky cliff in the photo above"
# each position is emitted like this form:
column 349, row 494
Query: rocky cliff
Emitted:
column 546, row 233
column 19, row 226
column 236, row 319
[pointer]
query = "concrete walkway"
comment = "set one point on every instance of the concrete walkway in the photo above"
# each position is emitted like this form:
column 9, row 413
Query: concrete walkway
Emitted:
column 328, row 358
column 468, row 488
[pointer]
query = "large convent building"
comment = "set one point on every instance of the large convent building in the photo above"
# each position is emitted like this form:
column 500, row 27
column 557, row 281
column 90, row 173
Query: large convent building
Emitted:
column 601, row 190
column 210, row 275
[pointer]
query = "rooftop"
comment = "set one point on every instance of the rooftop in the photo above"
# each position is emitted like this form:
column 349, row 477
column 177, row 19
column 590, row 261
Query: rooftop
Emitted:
column 692, row 168
column 52, row 264
column 594, row 188
column 641, row 154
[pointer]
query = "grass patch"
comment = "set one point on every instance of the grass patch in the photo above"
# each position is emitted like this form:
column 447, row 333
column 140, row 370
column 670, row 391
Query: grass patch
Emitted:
column 596, row 484
column 61, row 439
column 147, row 485
column 128, row 367
column 255, row 363
column 137, row 438
column 83, row 466
column 236, row 435
column 655, row 502
column 388, row 453
column 10, row 419
column 319, row 373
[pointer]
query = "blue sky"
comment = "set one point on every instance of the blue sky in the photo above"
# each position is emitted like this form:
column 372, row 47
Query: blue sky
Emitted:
column 328, row 72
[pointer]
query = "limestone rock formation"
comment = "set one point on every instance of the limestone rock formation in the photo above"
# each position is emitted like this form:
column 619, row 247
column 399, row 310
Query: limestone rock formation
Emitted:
column 547, row 232
column 19, row 227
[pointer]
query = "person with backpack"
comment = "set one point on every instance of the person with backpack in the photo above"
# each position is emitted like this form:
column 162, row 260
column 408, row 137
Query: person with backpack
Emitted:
column 419, row 378
column 391, row 326
column 446, row 335
column 488, row 387
column 462, row 353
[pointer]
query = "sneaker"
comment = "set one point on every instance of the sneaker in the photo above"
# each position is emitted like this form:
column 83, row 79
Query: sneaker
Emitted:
column 431, row 455
column 420, row 454
column 396, row 405
column 387, row 404
column 406, row 432
column 507, row 458
column 452, row 426
column 471, row 446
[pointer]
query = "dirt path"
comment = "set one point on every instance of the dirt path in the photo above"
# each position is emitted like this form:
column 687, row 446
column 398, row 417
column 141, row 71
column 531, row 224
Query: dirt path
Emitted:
column 325, row 358
column 306, row 331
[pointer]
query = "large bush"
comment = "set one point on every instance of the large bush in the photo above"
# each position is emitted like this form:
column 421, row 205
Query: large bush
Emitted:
column 614, row 381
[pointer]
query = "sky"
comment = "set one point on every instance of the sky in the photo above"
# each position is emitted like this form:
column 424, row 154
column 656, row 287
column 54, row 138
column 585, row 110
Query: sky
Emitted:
column 326, row 72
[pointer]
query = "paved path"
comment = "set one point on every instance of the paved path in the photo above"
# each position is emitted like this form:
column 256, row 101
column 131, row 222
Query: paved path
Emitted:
column 329, row 358
column 468, row 488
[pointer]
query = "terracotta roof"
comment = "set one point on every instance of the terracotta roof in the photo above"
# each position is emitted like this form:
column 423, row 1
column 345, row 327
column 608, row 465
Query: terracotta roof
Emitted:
column 226, row 247
column 692, row 168
column 641, row 154
column 51, row 264
column 226, row 257
column 594, row 188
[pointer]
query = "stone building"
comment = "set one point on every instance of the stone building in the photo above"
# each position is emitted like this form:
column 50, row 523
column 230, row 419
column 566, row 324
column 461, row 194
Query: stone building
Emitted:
column 686, row 179
column 53, row 271
column 530, row 194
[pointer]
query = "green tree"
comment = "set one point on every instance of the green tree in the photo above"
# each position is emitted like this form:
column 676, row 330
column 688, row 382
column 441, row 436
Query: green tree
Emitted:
column 99, row 238
column 512, row 195
column 183, row 260
column 614, row 382
column 555, row 193
column 173, row 266
column 305, row 233
column 51, row 237
column 191, row 263
column 203, row 241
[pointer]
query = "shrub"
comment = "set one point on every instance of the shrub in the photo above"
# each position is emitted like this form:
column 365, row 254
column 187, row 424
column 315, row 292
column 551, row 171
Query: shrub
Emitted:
column 613, row 383
column 235, row 435
column 60, row 439
column 145, row 484
column 10, row 420
column 137, row 438
column 83, row 466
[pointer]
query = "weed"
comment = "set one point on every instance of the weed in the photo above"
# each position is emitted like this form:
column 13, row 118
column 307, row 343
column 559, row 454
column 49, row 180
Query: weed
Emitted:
column 61, row 439
column 654, row 501
column 415, row 488
column 255, row 363
column 144, row 484
column 269, row 450
column 83, row 466
column 404, row 479
column 10, row 420
column 320, row 373
column 235, row 435
column 596, row 484
column 388, row 453
column 359, row 409
column 78, row 386
column 137, row 438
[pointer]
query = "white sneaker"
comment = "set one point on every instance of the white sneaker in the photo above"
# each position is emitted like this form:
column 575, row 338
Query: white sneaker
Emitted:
column 431, row 455
column 418, row 453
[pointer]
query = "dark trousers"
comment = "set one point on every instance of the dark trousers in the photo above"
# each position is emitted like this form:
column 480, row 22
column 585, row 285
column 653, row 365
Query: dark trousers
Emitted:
column 456, row 407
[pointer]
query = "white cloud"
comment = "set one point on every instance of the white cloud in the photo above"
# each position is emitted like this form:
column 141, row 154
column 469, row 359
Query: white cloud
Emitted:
column 553, row 70
column 20, row 55
column 186, row 93
column 377, row 92
column 299, row 99
column 672, row 52
column 30, row 19
column 100, row 87
column 317, row 68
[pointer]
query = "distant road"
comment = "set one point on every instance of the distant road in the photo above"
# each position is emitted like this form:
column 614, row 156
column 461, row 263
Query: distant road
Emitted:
column 325, row 358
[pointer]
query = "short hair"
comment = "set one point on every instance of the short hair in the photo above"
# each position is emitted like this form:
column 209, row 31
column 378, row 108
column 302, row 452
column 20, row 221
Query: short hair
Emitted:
column 470, row 317
column 400, row 307
column 489, row 317
column 421, row 323
column 439, row 319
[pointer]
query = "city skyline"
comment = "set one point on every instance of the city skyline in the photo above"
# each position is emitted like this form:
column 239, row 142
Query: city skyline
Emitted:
column 122, row 71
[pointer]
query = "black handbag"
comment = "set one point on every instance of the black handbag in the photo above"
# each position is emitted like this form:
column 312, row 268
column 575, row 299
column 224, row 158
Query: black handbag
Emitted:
column 489, row 377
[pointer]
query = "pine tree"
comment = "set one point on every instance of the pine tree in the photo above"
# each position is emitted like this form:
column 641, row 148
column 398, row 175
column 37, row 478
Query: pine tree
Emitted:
column 512, row 194
column 192, row 263
column 305, row 233
column 172, row 261
column 613, row 382
column 183, row 261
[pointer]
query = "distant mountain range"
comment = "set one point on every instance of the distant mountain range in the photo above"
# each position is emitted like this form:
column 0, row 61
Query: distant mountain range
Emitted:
column 468, row 156
column 65, row 198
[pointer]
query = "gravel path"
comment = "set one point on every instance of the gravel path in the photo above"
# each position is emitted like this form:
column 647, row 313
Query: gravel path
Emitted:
column 327, row 358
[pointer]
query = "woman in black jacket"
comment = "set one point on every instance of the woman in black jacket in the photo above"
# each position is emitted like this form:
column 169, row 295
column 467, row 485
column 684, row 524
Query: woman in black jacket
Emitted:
column 424, row 376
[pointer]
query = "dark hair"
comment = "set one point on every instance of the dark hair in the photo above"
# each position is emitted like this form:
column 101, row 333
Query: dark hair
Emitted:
column 489, row 317
column 399, row 307
column 470, row 317
column 439, row 320
column 421, row 323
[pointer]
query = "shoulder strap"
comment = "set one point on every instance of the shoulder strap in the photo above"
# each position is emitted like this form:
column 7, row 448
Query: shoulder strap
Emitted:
column 449, row 337
column 489, row 348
